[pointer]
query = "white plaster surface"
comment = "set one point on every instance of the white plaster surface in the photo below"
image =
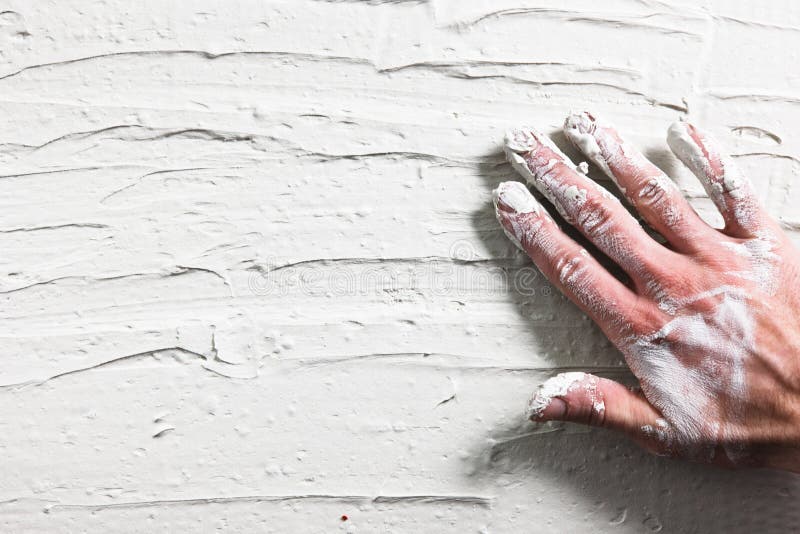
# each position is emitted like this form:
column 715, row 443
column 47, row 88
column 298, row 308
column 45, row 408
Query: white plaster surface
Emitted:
column 251, row 278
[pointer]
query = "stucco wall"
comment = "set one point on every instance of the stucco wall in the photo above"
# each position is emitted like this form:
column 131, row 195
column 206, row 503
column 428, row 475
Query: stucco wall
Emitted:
column 251, row 279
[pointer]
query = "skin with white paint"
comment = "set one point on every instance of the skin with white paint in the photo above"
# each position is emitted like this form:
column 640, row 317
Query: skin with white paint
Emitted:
column 715, row 347
column 554, row 389
column 558, row 386
column 181, row 181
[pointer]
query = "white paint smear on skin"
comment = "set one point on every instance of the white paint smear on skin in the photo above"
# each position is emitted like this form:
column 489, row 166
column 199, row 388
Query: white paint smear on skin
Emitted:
column 731, row 182
column 557, row 386
column 579, row 129
column 661, row 432
column 572, row 272
column 569, row 200
column 759, row 251
column 545, row 186
column 732, row 193
column 560, row 386
column 517, row 197
column 541, row 232
column 591, row 136
column 565, row 197
column 693, row 361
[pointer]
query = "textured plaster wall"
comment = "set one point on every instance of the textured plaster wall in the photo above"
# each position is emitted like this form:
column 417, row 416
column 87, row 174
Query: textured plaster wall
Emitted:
column 251, row 281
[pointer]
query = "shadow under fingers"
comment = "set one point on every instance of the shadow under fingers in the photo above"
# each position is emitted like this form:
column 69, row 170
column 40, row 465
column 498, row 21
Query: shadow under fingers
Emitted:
column 623, row 485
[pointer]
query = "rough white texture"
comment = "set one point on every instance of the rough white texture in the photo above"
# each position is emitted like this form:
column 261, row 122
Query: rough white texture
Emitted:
column 252, row 281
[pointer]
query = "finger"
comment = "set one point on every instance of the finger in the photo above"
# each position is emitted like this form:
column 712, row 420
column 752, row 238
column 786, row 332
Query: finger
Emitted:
column 590, row 400
column 566, row 264
column 584, row 204
column 657, row 199
column 730, row 191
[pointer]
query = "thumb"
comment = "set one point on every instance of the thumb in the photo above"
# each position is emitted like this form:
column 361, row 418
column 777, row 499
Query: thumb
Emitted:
column 590, row 400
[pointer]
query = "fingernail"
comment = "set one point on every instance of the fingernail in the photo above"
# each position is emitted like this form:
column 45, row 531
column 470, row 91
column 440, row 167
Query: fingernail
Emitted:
column 514, row 197
column 554, row 411
column 543, row 407
column 545, row 404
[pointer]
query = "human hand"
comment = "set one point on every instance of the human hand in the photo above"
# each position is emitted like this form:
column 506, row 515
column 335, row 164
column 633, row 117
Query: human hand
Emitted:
column 709, row 323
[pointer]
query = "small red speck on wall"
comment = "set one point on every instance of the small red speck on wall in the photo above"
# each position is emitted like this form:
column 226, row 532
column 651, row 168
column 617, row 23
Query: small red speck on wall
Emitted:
column 344, row 518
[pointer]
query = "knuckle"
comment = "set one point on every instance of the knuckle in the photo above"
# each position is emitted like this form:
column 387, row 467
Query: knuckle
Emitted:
column 642, row 318
column 654, row 193
column 595, row 217
column 571, row 266
column 586, row 403
column 597, row 414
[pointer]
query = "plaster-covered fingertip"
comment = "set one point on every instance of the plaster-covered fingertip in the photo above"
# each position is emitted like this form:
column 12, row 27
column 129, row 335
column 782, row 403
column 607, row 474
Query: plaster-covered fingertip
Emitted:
column 682, row 143
column 582, row 122
column 514, row 197
column 685, row 134
column 581, row 130
column 551, row 389
column 521, row 140
column 677, row 129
